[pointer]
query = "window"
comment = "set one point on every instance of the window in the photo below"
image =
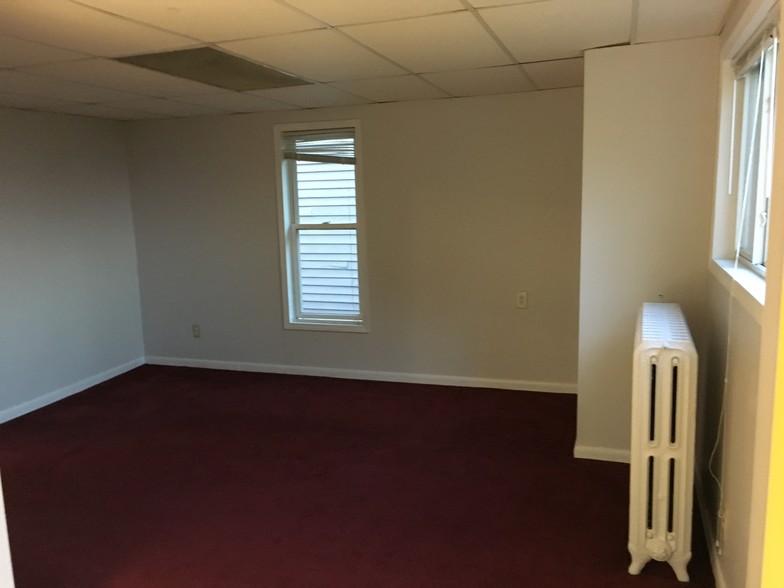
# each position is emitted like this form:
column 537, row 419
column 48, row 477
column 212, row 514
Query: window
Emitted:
column 321, row 226
column 754, row 108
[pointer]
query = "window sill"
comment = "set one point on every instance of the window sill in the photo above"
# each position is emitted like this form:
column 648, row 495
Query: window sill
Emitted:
column 329, row 327
column 746, row 286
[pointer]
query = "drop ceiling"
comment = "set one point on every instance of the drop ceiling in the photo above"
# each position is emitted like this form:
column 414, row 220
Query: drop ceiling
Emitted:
column 61, row 55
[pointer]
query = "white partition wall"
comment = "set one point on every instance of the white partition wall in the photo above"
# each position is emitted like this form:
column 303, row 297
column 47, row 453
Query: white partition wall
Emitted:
column 648, row 159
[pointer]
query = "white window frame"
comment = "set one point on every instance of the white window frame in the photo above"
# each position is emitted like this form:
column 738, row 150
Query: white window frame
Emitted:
column 751, row 181
column 288, row 231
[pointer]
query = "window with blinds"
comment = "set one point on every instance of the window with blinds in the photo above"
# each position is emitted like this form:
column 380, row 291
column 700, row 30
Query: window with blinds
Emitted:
column 320, row 227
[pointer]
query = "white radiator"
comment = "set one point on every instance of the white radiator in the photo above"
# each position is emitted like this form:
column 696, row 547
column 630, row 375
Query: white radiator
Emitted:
column 664, row 397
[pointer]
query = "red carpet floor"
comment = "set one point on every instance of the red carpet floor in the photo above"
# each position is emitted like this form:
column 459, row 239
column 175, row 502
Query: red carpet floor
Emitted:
column 176, row 477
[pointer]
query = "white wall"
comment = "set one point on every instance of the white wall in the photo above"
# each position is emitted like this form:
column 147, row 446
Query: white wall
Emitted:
column 69, row 297
column 649, row 148
column 467, row 202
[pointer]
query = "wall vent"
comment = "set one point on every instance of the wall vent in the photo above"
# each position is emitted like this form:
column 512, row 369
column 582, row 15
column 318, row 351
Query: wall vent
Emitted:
column 213, row 67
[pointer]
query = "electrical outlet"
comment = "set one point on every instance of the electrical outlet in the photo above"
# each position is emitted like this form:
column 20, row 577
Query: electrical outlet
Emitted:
column 196, row 331
column 521, row 300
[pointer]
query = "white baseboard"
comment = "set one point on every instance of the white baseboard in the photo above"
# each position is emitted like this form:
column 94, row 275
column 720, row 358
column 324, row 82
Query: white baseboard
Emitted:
column 709, row 527
column 602, row 453
column 41, row 401
column 408, row 378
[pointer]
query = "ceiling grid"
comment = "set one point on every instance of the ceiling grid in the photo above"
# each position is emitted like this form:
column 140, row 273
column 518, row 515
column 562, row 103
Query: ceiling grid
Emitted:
column 81, row 56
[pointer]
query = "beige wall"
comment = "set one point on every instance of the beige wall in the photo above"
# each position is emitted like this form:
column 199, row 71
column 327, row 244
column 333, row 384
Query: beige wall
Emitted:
column 467, row 202
column 744, row 348
column 70, row 311
column 733, row 462
column 650, row 119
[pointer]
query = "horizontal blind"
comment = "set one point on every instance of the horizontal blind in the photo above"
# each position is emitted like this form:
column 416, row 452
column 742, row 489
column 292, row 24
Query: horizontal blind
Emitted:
column 325, row 216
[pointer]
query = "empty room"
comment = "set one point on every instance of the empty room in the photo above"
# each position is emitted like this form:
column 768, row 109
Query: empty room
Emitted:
column 405, row 293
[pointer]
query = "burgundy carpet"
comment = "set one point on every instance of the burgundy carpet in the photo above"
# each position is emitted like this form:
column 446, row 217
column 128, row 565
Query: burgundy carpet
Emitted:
column 176, row 477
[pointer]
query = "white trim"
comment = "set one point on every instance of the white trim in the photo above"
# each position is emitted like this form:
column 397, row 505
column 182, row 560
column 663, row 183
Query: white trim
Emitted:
column 51, row 397
column 710, row 535
column 330, row 326
column 402, row 377
column 288, row 260
column 742, row 284
column 602, row 453
column 754, row 16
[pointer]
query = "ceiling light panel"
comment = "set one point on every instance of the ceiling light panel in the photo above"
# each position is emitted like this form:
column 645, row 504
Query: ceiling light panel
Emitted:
column 216, row 68
column 560, row 28
column 341, row 12
column 19, row 53
column 662, row 20
column 562, row 73
column 213, row 20
column 432, row 43
column 392, row 89
column 323, row 55
column 478, row 82
column 79, row 28
column 120, row 76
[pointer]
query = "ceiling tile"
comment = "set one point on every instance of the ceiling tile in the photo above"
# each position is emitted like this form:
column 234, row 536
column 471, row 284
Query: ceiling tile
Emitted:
column 341, row 12
column 662, row 20
column 165, row 107
column 13, row 100
column 392, row 89
column 562, row 73
column 476, row 82
column 26, row 83
column 486, row 3
column 101, row 111
column 121, row 76
column 432, row 43
column 235, row 102
column 560, row 28
column 79, row 28
column 313, row 96
column 19, row 53
column 214, row 20
column 324, row 55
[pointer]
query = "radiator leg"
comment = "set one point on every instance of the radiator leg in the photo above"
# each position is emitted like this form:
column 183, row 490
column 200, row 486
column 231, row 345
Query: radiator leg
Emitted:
column 639, row 559
column 678, row 565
